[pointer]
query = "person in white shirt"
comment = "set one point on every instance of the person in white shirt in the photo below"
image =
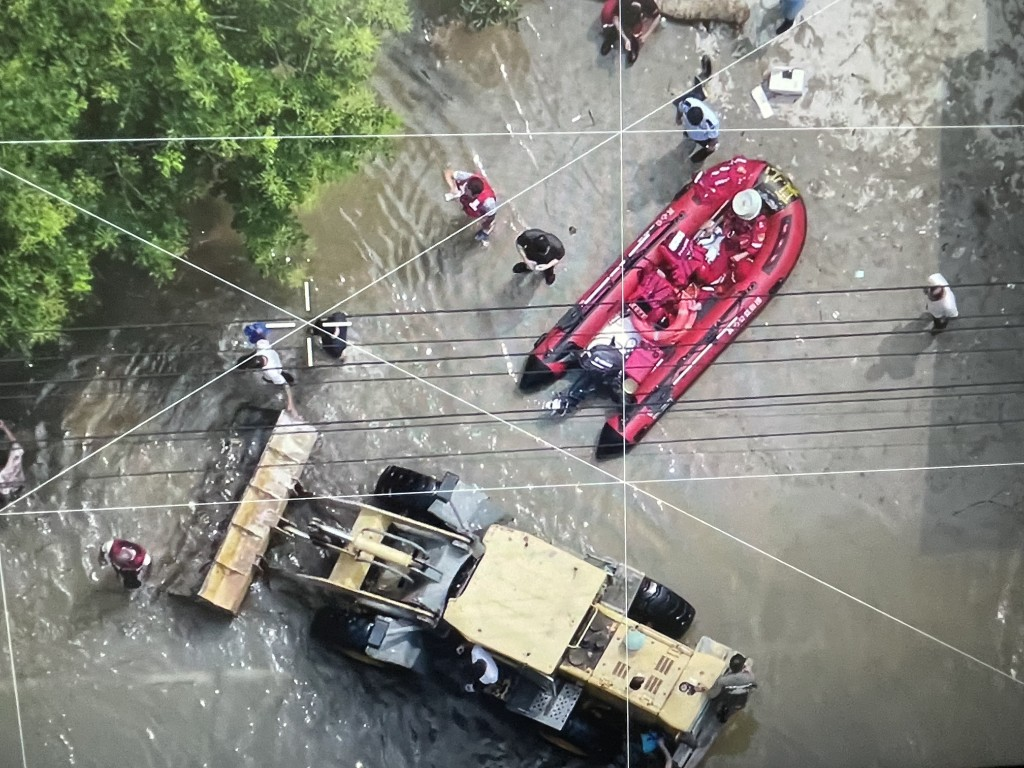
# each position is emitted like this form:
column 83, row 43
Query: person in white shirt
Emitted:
column 941, row 302
column 273, row 372
column 12, row 476
column 483, row 669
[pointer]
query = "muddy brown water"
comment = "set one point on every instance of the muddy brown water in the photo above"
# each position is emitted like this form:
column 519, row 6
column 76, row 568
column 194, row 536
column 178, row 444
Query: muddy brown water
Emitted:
column 759, row 449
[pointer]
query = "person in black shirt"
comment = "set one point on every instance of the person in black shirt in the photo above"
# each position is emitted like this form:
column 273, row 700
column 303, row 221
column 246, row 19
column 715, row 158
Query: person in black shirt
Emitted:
column 541, row 251
column 333, row 337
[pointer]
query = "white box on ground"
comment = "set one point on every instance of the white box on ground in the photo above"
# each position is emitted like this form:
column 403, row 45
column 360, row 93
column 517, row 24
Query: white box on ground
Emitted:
column 787, row 82
column 762, row 101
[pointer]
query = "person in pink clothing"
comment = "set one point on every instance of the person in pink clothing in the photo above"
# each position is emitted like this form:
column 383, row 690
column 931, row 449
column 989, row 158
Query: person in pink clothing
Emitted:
column 129, row 560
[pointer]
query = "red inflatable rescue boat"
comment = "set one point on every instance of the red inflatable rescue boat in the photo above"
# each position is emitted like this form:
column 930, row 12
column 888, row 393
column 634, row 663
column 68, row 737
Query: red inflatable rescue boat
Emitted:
column 682, row 291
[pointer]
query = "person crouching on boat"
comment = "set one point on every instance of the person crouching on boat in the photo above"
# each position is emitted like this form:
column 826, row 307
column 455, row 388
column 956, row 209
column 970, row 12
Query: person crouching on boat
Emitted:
column 716, row 249
column 129, row 560
column 476, row 198
column 744, row 226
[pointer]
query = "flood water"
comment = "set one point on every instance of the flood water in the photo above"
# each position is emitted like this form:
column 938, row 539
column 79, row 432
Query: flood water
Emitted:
column 787, row 496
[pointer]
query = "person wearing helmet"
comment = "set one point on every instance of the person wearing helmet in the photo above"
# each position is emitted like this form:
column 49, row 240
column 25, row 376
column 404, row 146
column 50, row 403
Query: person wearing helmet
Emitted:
column 476, row 198
column 744, row 226
column 256, row 331
column 128, row 559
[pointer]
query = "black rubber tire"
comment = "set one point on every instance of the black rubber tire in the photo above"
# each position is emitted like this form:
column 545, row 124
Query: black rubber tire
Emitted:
column 341, row 630
column 586, row 736
column 661, row 609
column 405, row 491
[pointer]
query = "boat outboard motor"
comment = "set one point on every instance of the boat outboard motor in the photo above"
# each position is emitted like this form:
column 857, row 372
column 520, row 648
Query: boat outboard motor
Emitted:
column 600, row 366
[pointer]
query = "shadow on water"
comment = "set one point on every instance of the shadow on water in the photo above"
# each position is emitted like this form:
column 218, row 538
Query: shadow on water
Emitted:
column 899, row 350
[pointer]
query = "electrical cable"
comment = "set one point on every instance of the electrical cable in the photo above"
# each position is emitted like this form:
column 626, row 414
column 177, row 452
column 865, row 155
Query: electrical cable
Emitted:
column 437, row 340
column 406, row 377
column 701, row 405
column 958, row 329
column 585, row 446
column 1008, row 284
column 776, row 559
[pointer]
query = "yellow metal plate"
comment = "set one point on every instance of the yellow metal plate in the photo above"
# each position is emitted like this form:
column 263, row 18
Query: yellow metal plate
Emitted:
column 526, row 599
column 682, row 709
column 647, row 675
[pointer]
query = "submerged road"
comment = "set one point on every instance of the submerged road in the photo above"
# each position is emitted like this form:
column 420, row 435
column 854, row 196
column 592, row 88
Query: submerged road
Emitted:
column 815, row 439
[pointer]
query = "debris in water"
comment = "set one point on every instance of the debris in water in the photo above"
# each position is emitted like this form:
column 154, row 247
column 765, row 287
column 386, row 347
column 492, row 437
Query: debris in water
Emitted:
column 572, row 230
column 762, row 102
column 577, row 118
column 859, row 274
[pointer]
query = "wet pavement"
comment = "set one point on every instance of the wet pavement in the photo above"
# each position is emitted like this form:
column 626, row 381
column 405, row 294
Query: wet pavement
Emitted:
column 784, row 497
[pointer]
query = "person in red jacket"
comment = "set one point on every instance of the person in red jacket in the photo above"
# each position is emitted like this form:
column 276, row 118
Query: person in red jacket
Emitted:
column 739, row 237
column 639, row 19
column 128, row 559
column 744, row 225
column 476, row 198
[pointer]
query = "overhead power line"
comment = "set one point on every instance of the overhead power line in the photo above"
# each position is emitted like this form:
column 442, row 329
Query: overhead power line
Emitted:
column 712, row 405
column 436, row 340
column 1008, row 284
column 433, row 360
column 304, row 382
column 382, row 460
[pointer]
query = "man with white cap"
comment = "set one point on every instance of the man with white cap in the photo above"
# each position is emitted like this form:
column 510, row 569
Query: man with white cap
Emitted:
column 941, row 302
column 740, row 235
column 744, row 226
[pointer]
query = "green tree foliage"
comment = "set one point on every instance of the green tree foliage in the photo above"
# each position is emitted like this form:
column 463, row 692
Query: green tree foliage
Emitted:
column 483, row 13
column 127, row 69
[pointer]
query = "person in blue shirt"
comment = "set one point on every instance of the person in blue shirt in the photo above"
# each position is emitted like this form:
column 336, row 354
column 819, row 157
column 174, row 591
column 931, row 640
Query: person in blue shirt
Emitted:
column 699, row 121
column 790, row 9
column 649, row 751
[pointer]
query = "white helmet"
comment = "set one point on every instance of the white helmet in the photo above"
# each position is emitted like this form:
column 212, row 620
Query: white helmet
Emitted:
column 747, row 204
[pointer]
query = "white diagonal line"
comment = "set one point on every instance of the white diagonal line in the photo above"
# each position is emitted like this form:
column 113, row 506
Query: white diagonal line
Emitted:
column 14, row 675
column 618, row 134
